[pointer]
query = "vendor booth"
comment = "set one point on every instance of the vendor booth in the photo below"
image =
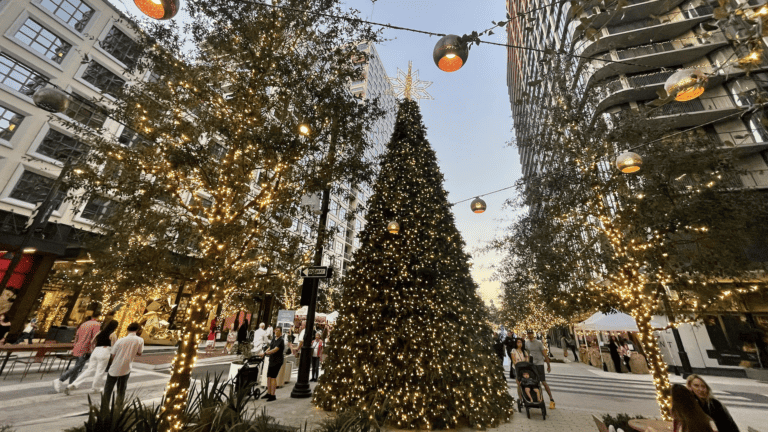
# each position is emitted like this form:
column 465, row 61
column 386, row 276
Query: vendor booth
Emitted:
column 593, row 336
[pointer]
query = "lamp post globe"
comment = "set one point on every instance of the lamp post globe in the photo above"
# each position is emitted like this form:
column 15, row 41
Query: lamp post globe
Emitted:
column 477, row 205
column 686, row 84
column 158, row 9
column 51, row 99
column 393, row 227
column 629, row 162
column 450, row 53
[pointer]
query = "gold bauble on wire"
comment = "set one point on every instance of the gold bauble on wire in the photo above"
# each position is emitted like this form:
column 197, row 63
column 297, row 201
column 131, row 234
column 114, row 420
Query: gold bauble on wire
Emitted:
column 393, row 227
column 686, row 84
column 477, row 205
column 450, row 53
column 629, row 162
column 51, row 99
column 158, row 9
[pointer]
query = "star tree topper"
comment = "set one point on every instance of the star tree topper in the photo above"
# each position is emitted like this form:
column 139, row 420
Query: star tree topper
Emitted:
column 409, row 86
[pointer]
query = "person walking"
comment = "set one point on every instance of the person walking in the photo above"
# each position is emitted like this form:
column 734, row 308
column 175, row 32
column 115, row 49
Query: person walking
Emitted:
column 569, row 344
column 260, row 339
column 687, row 415
column 317, row 354
column 498, row 347
column 613, row 348
column 509, row 345
column 711, row 406
column 123, row 353
column 276, row 353
column 231, row 338
column 97, row 364
column 82, row 350
column 242, row 332
column 539, row 355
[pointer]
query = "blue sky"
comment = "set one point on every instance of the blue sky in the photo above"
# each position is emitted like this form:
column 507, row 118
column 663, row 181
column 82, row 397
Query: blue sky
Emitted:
column 469, row 123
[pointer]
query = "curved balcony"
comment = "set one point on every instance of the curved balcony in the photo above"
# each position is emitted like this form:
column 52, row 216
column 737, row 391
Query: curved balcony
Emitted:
column 695, row 112
column 634, row 11
column 650, row 57
column 639, row 32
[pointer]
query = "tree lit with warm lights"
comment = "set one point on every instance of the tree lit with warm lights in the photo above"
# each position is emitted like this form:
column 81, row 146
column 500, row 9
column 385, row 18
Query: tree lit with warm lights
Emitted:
column 230, row 129
column 683, row 229
column 412, row 338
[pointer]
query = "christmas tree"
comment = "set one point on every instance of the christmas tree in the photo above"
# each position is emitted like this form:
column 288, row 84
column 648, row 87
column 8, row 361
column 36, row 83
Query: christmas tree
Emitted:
column 412, row 339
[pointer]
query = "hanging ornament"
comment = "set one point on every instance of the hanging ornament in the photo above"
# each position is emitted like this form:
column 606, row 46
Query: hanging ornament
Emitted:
column 629, row 162
column 450, row 53
column 393, row 227
column 286, row 222
column 158, row 9
column 686, row 84
column 304, row 129
column 477, row 205
column 51, row 99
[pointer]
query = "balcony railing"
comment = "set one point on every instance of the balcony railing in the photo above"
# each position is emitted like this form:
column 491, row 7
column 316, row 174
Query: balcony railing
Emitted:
column 649, row 79
column 635, row 25
column 645, row 50
column 696, row 105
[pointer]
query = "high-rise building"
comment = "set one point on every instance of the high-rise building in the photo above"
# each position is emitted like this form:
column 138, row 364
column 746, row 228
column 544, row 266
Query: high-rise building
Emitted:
column 83, row 47
column 351, row 201
column 630, row 54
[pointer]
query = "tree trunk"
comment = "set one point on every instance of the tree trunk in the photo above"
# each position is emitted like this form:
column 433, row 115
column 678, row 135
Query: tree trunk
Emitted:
column 177, row 390
column 655, row 361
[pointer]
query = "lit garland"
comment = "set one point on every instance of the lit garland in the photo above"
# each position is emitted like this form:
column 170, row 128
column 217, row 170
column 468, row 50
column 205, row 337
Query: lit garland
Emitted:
column 411, row 337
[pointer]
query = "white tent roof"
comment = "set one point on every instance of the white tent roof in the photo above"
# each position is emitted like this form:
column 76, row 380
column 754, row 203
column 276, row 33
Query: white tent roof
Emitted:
column 332, row 316
column 613, row 322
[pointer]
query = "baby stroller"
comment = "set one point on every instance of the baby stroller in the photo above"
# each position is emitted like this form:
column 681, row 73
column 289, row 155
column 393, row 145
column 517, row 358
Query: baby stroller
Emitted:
column 248, row 377
column 522, row 398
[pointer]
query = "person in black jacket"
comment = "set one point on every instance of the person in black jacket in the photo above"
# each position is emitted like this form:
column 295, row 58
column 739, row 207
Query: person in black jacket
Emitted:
column 711, row 406
column 613, row 348
column 509, row 344
column 498, row 346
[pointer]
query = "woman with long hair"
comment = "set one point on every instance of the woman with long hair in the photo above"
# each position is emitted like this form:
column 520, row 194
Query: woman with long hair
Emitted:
column 519, row 353
column 711, row 406
column 687, row 413
column 97, row 364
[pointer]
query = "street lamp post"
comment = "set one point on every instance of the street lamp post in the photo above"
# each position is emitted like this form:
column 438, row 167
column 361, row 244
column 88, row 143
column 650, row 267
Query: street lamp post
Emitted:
column 301, row 389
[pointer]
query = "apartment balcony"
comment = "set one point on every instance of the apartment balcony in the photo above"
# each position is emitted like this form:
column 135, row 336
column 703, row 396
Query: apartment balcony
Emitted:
column 695, row 112
column 655, row 56
column 634, row 11
column 629, row 34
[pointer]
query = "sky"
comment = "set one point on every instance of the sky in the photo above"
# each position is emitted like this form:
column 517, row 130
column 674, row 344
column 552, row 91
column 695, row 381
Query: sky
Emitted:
column 469, row 124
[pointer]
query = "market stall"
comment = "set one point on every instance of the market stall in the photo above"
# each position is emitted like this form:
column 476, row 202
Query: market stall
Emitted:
column 593, row 335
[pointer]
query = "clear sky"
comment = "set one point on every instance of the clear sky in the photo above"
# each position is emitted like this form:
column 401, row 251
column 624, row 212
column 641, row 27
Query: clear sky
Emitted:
column 469, row 123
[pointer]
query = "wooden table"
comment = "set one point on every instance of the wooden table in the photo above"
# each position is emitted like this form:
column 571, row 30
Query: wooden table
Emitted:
column 41, row 348
column 651, row 425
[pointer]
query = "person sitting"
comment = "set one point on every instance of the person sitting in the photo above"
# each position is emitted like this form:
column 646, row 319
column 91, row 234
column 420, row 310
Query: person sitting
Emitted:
column 686, row 413
column 527, row 384
column 711, row 406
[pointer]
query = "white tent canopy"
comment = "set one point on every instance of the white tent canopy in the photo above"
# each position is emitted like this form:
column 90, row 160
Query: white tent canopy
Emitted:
column 612, row 322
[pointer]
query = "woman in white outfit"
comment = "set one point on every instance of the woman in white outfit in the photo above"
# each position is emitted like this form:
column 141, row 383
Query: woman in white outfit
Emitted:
column 97, row 364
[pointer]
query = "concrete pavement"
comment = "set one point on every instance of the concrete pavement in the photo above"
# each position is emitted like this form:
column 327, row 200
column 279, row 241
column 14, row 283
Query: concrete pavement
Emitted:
column 579, row 390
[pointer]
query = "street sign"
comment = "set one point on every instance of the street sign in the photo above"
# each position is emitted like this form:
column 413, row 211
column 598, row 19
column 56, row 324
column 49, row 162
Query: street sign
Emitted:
column 315, row 273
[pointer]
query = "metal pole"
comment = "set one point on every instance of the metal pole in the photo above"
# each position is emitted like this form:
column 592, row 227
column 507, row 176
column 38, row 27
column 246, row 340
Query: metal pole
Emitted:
column 301, row 389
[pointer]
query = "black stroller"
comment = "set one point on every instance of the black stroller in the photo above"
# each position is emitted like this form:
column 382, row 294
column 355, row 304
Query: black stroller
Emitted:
column 522, row 399
column 248, row 377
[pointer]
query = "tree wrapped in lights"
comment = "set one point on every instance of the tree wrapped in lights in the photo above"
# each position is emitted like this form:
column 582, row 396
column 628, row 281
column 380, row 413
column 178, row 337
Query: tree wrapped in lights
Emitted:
column 412, row 337
column 227, row 133
column 594, row 238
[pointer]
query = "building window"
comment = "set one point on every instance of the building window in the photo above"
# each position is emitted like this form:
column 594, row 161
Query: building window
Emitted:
column 85, row 113
column 19, row 77
column 103, row 79
column 61, row 147
column 132, row 139
column 121, row 46
column 73, row 12
column 33, row 188
column 43, row 41
column 97, row 209
column 9, row 123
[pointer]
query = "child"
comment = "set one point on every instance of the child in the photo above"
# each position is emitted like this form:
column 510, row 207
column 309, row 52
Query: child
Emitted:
column 210, row 346
column 528, row 383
